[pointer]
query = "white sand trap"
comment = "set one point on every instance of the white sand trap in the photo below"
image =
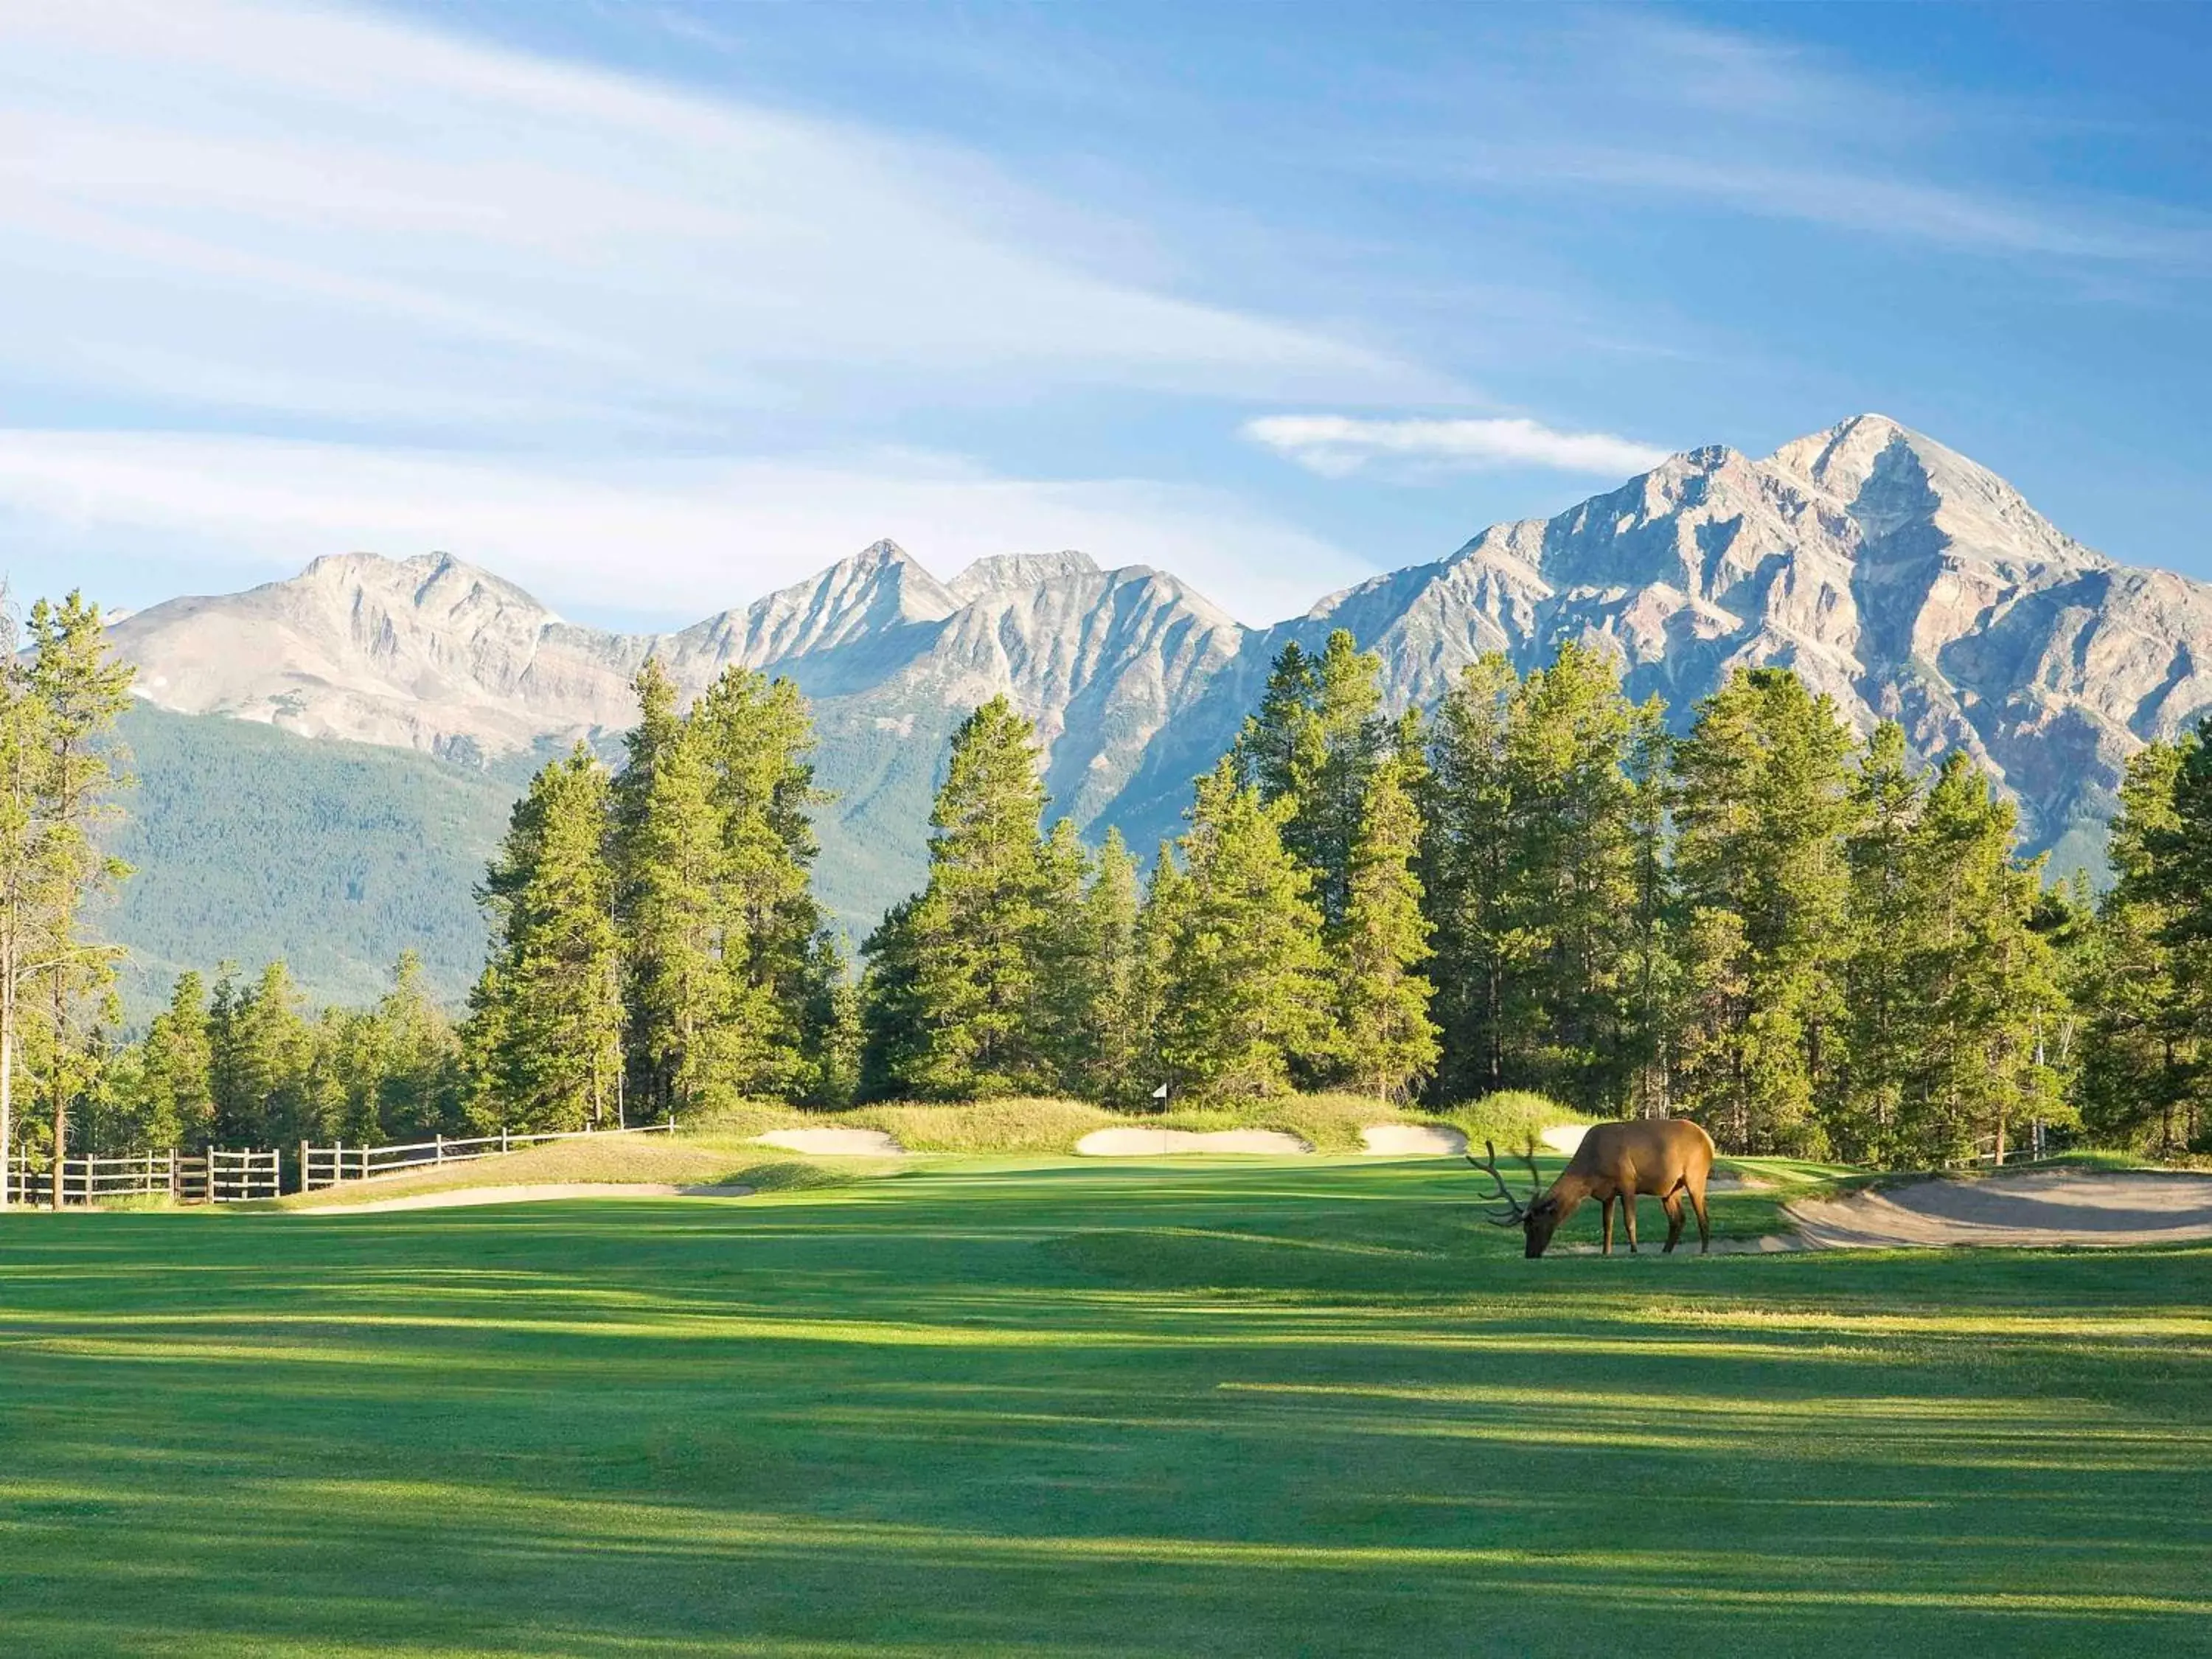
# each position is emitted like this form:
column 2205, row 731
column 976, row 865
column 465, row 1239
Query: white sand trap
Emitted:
column 464, row 1197
column 1564, row 1137
column 833, row 1142
column 1411, row 1140
column 2044, row 1206
column 1168, row 1143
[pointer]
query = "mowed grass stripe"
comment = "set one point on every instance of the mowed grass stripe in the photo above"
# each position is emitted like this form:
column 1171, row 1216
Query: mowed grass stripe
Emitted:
column 1083, row 1410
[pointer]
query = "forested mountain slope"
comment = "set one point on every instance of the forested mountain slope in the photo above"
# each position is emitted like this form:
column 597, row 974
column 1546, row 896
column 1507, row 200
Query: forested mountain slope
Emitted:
column 1890, row 572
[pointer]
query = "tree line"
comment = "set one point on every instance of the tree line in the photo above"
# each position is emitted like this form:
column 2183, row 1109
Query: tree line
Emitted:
column 1765, row 921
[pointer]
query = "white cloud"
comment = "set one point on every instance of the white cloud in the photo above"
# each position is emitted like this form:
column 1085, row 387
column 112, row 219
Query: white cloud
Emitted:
column 313, row 197
column 670, row 541
column 1335, row 445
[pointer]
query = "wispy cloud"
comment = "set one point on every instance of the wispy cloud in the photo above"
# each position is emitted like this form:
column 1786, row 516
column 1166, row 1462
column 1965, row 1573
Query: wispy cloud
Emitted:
column 1336, row 445
column 317, row 197
column 667, row 541
column 1654, row 111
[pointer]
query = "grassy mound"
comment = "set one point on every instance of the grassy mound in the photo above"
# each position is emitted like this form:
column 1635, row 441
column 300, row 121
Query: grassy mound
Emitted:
column 677, row 1160
column 1330, row 1122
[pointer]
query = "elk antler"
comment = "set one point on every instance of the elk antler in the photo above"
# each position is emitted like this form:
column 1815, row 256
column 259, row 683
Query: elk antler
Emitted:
column 1515, row 1209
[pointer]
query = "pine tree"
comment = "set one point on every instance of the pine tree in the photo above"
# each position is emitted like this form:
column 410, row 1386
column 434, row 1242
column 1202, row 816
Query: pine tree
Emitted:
column 413, row 1062
column 756, row 736
column 670, row 869
column 261, row 1052
column 1987, row 983
column 1764, row 803
column 1885, row 1015
column 1570, row 889
column 1248, row 988
column 1114, row 1051
column 1314, row 744
column 894, row 1039
column 79, row 689
column 2147, row 1065
column 174, row 1085
column 1064, row 955
column 1281, row 750
column 1162, row 920
column 976, row 927
column 1388, row 1043
column 1465, row 865
column 544, row 1039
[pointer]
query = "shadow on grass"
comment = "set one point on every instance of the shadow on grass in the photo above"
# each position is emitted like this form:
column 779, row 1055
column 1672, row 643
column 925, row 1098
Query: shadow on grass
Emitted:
column 1219, row 1409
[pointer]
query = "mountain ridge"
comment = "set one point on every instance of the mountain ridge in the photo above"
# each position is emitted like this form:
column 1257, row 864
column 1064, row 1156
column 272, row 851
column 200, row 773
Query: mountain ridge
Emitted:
column 1896, row 575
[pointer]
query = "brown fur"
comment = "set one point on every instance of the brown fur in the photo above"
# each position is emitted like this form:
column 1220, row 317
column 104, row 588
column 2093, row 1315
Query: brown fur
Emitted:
column 1663, row 1158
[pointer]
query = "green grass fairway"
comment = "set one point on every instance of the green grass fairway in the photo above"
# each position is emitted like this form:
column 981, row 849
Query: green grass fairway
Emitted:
column 1255, row 1408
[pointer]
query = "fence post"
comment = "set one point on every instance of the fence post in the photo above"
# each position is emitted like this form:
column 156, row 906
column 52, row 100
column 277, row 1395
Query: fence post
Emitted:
column 440, row 1140
column 503, row 1137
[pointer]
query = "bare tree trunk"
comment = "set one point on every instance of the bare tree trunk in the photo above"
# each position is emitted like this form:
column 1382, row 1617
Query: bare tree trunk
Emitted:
column 7, row 1091
column 60, row 1073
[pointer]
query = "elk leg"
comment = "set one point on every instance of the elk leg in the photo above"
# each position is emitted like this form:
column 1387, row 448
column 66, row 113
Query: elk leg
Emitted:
column 1704, row 1233
column 1672, row 1204
column 1609, row 1226
column 1628, row 1215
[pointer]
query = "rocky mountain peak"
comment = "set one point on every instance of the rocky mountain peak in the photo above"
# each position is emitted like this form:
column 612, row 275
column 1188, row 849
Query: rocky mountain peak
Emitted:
column 1001, row 572
column 1899, row 577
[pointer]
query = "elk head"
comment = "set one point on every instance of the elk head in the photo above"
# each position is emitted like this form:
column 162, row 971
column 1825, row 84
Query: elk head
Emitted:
column 1539, row 1216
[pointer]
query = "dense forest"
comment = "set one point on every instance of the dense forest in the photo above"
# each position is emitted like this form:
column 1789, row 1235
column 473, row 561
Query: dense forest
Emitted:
column 1769, row 923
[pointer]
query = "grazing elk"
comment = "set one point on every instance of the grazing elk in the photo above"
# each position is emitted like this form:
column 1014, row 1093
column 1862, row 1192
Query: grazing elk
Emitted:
column 1664, row 1157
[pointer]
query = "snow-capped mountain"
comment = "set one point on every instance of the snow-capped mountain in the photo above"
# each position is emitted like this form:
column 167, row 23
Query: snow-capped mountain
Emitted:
column 1897, row 576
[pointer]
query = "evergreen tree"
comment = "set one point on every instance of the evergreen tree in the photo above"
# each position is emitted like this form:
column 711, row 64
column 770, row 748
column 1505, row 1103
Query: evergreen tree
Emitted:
column 1571, row 888
column 1315, row 742
column 1281, row 750
column 1064, row 955
column 2145, row 1065
column 1544, row 859
column 1988, row 986
column 1388, row 1043
column 831, row 1033
column 1113, row 1055
column 261, row 1054
column 756, row 736
column 894, row 1040
column 174, row 1087
column 545, row 1029
column 1465, row 867
column 1764, row 803
column 1162, row 920
column 675, row 927
column 977, row 927
column 1249, row 991
column 413, row 1063
column 1884, row 1014
column 55, row 743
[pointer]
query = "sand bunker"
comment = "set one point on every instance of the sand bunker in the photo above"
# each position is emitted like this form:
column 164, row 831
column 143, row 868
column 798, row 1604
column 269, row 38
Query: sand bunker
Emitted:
column 463, row 1197
column 2041, row 1207
column 1411, row 1140
column 1167, row 1143
column 834, row 1143
column 1564, row 1137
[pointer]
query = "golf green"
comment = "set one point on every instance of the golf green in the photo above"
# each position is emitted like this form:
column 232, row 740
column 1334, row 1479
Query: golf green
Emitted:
column 1217, row 1408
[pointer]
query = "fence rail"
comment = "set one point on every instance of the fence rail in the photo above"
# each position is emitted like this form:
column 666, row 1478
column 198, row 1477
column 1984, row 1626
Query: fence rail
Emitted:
column 326, row 1166
column 213, row 1175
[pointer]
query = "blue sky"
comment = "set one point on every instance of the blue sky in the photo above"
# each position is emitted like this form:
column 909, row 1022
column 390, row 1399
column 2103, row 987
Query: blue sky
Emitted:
column 654, row 307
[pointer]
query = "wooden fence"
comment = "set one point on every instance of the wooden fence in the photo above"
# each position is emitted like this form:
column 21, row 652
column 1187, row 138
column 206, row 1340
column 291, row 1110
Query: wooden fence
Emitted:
column 326, row 1166
column 213, row 1175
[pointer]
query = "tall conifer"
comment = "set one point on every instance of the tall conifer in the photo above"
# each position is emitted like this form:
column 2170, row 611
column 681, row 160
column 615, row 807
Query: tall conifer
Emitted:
column 545, row 1032
column 1388, row 1043
column 1248, row 993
